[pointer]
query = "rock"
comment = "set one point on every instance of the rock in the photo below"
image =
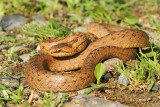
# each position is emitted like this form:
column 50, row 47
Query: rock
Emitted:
column 123, row 80
column 9, row 82
column 0, row 68
column 25, row 57
column 2, row 47
column 10, row 105
column 9, row 22
column 107, row 76
column 113, row 61
column 158, row 97
column 155, row 87
column 87, row 20
column 84, row 27
column 91, row 101
column 38, row 19
column 153, row 35
column 80, row 29
column 2, row 36
column 38, row 48
column 18, row 48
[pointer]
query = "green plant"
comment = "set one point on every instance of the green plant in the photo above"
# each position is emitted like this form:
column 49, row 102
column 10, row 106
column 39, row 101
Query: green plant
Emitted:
column 156, row 4
column 7, row 95
column 9, row 38
column 51, row 101
column 11, row 50
column 12, row 6
column 123, row 71
column 49, row 6
column 98, row 73
column 11, row 53
column 131, row 20
column 146, row 66
column 47, row 101
column 97, row 10
column 52, row 29
column 154, row 21
column 153, row 66
column 33, row 53
column 87, row 91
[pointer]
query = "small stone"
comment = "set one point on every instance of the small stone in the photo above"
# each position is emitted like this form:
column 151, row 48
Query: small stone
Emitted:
column 39, row 19
column 113, row 61
column 31, row 39
column 18, row 48
column 2, row 37
column 83, row 28
column 87, row 20
column 132, row 72
column 80, row 29
column 107, row 76
column 5, row 93
column 38, row 48
column 36, row 96
column 123, row 80
column 155, row 86
column 25, row 57
column 9, row 22
column 1, row 56
column 91, row 101
column 153, row 35
column 9, row 82
column 2, row 34
column 158, row 97
column 144, row 100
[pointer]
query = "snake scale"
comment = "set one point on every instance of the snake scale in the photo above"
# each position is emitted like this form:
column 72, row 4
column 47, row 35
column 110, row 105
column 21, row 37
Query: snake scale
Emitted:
column 113, row 41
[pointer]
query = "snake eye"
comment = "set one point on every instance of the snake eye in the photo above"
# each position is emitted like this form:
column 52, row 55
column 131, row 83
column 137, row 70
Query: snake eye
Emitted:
column 58, row 50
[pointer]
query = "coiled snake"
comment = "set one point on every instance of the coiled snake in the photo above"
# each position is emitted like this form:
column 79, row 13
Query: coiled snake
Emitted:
column 113, row 41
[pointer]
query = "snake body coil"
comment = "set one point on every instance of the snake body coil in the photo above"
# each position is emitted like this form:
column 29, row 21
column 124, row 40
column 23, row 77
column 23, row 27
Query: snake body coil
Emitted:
column 119, row 43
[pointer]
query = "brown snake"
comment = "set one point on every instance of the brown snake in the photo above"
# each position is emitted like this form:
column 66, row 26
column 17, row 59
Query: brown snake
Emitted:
column 114, row 41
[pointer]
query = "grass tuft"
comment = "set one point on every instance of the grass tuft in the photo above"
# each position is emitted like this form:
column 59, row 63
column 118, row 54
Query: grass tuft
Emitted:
column 146, row 72
column 52, row 29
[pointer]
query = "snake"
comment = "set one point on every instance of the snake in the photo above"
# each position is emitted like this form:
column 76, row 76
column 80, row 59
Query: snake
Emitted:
column 47, row 70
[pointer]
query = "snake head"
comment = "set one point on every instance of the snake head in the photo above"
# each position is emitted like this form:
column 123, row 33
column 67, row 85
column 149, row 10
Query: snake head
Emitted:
column 67, row 46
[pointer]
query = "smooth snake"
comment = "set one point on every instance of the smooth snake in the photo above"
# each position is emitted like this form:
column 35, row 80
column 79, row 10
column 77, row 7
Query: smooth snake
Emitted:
column 113, row 41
